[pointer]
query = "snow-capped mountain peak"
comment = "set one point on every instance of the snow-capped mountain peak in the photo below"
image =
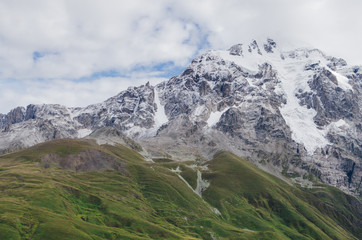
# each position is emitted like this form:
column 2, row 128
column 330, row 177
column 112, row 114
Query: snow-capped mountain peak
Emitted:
column 296, row 109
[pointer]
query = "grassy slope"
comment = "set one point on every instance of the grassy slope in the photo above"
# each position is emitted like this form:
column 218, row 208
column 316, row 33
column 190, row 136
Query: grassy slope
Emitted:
column 154, row 203
column 252, row 199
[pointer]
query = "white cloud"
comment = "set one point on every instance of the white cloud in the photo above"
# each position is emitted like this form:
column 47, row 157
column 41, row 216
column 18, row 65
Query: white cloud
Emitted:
column 81, row 37
column 75, row 39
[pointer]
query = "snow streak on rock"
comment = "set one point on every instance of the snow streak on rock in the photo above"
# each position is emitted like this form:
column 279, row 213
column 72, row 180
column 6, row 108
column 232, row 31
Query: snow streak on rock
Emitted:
column 215, row 117
column 160, row 115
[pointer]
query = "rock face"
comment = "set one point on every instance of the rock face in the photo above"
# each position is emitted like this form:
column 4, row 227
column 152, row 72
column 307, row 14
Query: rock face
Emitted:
column 113, row 136
column 133, row 111
column 295, row 113
column 131, row 108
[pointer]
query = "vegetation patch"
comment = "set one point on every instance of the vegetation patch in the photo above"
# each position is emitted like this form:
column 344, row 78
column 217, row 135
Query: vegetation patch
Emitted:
column 148, row 201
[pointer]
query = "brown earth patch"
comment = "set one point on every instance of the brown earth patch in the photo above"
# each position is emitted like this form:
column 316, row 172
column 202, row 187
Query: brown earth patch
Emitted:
column 88, row 160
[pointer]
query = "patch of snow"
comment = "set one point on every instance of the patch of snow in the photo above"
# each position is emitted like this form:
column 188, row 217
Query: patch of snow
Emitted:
column 304, row 130
column 299, row 118
column 160, row 118
column 294, row 79
column 84, row 132
column 160, row 115
column 340, row 123
column 342, row 81
column 137, row 106
column 338, row 126
column 250, row 63
column 215, row 117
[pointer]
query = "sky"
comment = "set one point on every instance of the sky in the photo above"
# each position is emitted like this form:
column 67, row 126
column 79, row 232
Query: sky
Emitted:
column 79, row 52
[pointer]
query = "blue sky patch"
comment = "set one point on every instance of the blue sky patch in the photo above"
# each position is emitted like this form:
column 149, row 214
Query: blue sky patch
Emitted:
column 37, row 55
column 165, row 69
column 106, row 73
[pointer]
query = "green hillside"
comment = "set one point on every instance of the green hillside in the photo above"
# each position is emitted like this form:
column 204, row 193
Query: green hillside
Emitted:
column 76, row 189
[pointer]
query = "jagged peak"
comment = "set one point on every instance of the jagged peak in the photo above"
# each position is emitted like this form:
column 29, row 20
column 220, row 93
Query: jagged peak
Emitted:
column 270, row 45
column 251, row 56
column 254, row 46
column 265, row 46
column 236, row 49
column 133, row 90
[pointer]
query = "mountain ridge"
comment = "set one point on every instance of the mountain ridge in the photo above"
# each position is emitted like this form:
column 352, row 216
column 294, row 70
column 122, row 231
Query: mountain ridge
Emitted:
column 296, row 111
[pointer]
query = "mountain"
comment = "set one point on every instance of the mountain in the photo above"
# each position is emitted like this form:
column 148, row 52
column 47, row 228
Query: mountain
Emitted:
column 77, row 189
column 295, row 114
